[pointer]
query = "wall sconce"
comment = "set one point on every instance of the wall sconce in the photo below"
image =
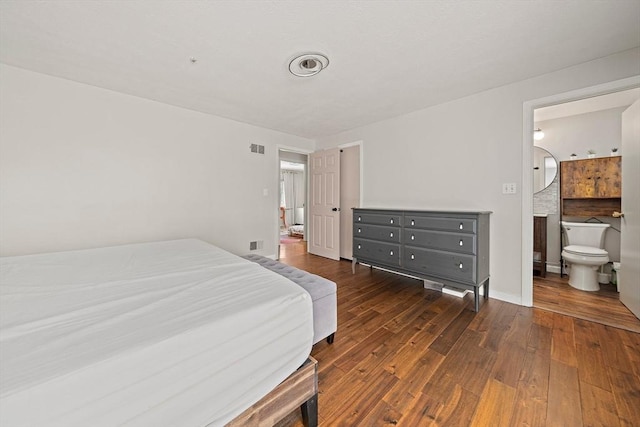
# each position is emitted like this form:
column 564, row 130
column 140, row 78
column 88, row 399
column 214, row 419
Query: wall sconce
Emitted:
column 538, row 134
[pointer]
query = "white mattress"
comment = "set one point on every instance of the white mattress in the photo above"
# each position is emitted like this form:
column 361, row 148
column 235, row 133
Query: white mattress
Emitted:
column 177, row 333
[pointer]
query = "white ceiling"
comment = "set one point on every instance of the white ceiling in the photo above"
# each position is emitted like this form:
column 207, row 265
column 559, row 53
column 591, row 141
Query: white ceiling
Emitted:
column 387, row 58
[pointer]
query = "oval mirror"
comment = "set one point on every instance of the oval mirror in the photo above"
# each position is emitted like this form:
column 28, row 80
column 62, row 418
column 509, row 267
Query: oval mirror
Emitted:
column 545, row 169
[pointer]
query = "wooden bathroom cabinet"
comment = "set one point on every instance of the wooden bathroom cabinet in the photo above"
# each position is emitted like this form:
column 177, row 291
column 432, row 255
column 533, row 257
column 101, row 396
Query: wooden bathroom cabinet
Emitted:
column 540, row 245
column 591, row 187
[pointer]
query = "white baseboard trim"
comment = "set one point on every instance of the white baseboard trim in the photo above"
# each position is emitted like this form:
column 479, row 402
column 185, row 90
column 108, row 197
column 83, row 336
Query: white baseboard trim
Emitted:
column 513, row 299
column 553, row 269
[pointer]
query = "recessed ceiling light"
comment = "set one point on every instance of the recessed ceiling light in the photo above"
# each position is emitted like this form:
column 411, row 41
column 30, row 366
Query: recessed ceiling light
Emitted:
column 308, row 64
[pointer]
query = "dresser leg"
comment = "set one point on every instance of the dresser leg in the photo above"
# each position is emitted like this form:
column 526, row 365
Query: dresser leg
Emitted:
column 354, row 261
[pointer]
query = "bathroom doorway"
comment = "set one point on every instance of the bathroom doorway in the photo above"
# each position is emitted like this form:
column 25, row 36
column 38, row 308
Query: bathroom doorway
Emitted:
column 571, row 130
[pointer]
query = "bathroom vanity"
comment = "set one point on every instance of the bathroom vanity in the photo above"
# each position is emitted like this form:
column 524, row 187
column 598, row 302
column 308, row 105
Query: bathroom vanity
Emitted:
column 449, row 247
column 540, row 244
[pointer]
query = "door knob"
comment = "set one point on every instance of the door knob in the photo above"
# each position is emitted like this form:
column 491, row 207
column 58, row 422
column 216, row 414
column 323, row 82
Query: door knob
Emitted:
column 335, row 209
column 617, row 215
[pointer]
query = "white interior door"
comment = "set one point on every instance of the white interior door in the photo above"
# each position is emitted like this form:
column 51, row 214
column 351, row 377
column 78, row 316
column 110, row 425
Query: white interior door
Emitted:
column 629, row 283
column 324, row 212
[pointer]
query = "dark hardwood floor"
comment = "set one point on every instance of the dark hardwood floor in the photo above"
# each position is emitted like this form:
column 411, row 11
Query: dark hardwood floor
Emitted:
column 407, row 356
column 555, row 294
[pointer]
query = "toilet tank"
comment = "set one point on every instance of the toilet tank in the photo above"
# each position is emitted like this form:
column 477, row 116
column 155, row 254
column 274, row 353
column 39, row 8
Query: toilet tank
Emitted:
column 585, row 234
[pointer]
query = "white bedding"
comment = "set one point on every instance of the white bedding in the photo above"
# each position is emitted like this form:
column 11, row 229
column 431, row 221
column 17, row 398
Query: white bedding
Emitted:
column 297, row 229
column 177, row 333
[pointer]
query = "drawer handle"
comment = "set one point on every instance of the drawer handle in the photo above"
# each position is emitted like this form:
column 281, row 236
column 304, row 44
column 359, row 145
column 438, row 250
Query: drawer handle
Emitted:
column 461, row 226
column 359, row 247
column 359, row 218
column 359, row 230
column 391, row 221
column 413, row 237
column 413, row 256
column 391, row 253
column 460, row 266
column 461, row 243
column 413, row 222
column 391, row 234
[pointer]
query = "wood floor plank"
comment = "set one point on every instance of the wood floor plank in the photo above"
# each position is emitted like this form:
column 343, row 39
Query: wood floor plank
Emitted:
column 563, row 347
column 543, row 318
column 591, row 367
column 540, row 337
column 496, row 405
column 520, row 328
column 459, row 369
column 382, row 414
column 496, row 330
column 383, row 368
column 450, row 335
column 626, row 392
column 456, row 410
column 509, row 363
column 528, row 412
column 416, row 378
column 563, row 405
column 613, row 349
column 631, row 343
column 598, row 406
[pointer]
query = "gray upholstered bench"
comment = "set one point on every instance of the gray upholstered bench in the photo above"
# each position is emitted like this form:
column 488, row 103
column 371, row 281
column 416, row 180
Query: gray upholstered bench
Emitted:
column 322, row 291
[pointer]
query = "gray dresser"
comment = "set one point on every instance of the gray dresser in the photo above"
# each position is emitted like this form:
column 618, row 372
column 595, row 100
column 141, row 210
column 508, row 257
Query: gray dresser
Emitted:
column 451, row 248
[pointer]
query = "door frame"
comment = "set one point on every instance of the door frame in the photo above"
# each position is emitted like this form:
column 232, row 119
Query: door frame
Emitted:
column 297, row 150
column 360, row 144
column 527, row 166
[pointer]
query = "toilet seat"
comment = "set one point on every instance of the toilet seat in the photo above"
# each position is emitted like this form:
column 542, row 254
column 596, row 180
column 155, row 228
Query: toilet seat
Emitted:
column 585, row 251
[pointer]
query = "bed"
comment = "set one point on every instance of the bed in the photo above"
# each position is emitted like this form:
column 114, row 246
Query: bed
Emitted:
column 296, row 230
column 166, row 333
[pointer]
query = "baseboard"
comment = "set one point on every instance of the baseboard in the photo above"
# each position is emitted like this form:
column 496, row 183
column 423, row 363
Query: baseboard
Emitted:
column 553, row 269
column 513, row 299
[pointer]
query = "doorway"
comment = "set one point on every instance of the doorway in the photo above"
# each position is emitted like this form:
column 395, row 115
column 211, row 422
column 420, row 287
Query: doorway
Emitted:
column 573, row 124
column 292, row 204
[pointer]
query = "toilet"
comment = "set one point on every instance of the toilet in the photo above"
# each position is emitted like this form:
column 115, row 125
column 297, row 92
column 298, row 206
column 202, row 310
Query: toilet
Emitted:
column 585, row 253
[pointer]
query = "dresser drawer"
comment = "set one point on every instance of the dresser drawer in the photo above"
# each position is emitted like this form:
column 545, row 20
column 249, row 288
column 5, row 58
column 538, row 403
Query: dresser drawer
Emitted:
column 384, row 253
column 446, row 265
column 377, row 232
column 392, row 218
column 462, row 225
column 454, row 242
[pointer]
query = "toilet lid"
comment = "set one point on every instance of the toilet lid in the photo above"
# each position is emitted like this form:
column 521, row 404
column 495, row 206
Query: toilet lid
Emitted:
column 585, row 250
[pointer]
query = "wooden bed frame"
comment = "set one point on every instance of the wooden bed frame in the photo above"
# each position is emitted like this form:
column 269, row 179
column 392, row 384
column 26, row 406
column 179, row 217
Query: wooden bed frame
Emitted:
column 300, row 389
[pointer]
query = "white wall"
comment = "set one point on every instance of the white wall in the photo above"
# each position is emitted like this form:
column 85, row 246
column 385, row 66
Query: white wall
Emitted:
column 457, row 155
column 599, row 130
column 84, row 167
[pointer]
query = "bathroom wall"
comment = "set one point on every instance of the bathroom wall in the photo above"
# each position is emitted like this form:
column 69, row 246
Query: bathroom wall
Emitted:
column 600, row 131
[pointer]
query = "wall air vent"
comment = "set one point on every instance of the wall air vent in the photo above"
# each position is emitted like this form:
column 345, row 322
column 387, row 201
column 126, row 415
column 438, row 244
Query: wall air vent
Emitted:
column 255, row 148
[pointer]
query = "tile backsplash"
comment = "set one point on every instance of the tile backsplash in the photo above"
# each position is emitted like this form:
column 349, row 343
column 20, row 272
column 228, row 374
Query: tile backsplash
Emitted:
column 547, row 201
